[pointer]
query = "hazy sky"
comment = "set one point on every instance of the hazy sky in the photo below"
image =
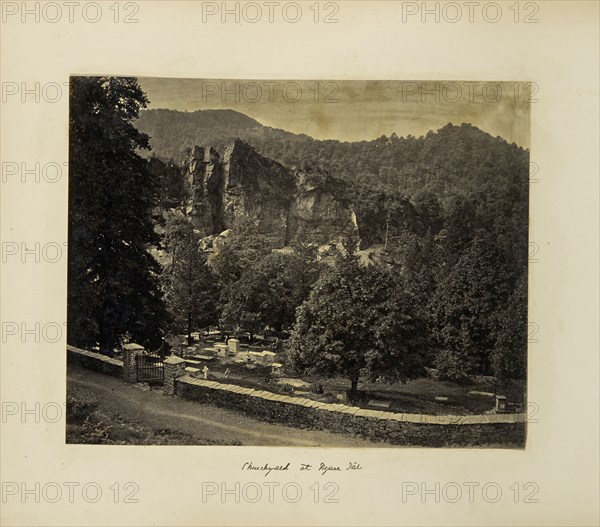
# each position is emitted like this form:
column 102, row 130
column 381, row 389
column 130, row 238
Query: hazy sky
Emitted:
column 357, row 110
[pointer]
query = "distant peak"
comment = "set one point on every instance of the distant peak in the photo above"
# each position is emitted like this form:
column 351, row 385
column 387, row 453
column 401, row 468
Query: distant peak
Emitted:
column 206, row 115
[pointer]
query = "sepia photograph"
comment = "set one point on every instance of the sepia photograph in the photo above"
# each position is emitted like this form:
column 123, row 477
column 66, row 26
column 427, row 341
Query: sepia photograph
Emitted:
column 298, row 263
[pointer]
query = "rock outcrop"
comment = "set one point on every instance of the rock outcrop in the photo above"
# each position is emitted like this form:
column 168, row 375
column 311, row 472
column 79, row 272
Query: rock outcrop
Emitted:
column 204, row 181
column 258, row 187
column 317, row 215
column 286, row 203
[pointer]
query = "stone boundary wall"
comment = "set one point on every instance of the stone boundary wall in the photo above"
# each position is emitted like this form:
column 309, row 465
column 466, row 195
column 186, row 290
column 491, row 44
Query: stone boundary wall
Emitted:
column 502, row 430
column 94, row 361
column 495, row 430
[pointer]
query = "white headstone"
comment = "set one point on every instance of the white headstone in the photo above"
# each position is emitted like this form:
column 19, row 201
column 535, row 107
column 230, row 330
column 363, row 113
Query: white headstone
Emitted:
column 233, row 345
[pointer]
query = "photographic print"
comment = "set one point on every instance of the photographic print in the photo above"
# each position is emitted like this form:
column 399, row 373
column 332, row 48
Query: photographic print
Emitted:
column 298, row 262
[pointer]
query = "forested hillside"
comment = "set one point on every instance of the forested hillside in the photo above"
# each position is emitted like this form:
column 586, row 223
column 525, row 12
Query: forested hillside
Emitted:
column 440, row 161
column 394, row 184
column 449, row 208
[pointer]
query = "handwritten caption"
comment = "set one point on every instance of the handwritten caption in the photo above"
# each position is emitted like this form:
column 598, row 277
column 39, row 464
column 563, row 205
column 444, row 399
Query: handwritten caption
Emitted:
column 322, row 468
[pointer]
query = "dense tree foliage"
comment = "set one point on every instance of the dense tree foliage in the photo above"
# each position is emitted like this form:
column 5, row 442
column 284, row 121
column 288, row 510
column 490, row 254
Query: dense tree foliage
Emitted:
column 464, row 307
column 190, row 288
column 113, row 288
column 176, row 133
column 238, row 249
column 509, row 360
column 261, row 289
column 172, row 185
column 268, row 292
column 387, row 178
column 450, row 211
column 358, row 322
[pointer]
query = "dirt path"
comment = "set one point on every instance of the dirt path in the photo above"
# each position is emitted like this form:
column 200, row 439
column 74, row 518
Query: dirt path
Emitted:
column 153, row 410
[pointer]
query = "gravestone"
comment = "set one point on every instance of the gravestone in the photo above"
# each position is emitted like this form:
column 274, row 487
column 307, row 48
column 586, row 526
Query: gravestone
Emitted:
column 268, row 357
column 342, row 396
column 222, row 349
column 255, row 356
column 379, row 403
column 233, row 345
column 500, row 403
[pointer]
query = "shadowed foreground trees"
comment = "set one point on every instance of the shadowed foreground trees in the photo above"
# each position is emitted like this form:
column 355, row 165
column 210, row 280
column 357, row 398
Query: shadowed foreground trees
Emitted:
column 113, row 288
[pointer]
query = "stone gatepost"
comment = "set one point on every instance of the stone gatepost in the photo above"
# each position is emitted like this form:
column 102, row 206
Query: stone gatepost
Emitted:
column 174, row 367
column 130, row 352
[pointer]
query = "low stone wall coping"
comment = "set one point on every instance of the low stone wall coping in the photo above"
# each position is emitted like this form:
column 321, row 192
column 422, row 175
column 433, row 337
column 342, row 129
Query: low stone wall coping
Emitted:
column 359, row 412
column 94, row 355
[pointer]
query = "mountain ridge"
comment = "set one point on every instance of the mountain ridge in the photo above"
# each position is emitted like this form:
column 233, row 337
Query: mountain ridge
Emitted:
column 149, row 117
column 451, row 158
column 399, row 189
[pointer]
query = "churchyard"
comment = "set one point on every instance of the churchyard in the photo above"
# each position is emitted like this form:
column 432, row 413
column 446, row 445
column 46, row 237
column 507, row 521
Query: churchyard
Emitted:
column 260, row 364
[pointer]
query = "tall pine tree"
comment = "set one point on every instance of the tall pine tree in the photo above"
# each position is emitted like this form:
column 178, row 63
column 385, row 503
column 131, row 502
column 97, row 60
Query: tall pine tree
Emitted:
column 113, row 288
column 191, row 290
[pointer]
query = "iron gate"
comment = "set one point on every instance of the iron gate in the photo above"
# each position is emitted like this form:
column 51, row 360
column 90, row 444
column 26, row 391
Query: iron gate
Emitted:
column 150, row 368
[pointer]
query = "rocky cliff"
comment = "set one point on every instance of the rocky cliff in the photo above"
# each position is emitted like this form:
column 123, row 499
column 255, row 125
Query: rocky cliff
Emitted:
column 258, row 187
column 318, row 214
column 285, row 202
column 203, row 175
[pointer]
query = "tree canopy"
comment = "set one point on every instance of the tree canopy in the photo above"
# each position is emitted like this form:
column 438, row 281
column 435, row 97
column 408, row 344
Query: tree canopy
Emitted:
column 358, row 322
column 190, row 288
column 268, row 292
column 113, row 280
